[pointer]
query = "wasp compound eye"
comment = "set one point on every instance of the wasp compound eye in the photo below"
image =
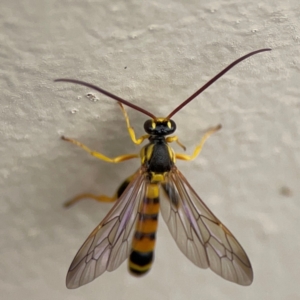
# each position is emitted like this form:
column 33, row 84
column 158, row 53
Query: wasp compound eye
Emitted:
column 149, row 126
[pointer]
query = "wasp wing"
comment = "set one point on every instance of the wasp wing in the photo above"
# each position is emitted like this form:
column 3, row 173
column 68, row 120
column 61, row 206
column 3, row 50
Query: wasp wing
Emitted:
column 200, row 235
column 110, row 242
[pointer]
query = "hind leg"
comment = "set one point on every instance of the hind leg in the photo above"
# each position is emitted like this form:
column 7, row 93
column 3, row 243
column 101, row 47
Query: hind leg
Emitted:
column 101, row 198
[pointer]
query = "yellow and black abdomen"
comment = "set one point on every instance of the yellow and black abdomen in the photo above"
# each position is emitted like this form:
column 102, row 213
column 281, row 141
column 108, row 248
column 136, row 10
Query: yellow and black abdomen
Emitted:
column 158, row 157
column 143, row 244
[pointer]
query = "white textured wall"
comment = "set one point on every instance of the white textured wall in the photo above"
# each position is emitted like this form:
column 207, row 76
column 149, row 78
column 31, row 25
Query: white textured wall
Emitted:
column 154, row 54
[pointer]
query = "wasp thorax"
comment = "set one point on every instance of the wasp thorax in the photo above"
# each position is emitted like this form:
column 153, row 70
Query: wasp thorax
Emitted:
column 159, row 126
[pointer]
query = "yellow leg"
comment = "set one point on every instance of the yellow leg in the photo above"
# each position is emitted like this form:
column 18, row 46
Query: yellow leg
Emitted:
column 99, row 155
column 131, row 130
column 198, row 147
column 171, row 139
column 101, row 198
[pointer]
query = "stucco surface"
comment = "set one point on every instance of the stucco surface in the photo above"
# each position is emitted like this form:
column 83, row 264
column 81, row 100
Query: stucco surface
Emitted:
column 154, row 54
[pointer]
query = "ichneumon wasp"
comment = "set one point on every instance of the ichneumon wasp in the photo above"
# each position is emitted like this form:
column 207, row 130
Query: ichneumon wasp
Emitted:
column 129, row 229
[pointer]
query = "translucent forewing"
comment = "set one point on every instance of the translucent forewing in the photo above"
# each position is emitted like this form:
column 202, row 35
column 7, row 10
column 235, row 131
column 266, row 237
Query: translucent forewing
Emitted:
column 200, row 235
column 110, row 242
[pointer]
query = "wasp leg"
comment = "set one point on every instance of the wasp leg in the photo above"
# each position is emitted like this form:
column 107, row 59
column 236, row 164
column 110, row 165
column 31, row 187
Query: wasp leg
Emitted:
column 99, row 155
column 131, row 130
column 171, row 139
column 101, row 198
column 198, row 147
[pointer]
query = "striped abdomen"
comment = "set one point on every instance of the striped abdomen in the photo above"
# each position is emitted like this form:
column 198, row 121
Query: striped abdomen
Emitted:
column 143, row 243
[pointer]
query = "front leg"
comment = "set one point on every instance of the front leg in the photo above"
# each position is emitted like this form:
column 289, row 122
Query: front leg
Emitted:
column 199, row 146
column 131, row 130
column 174, row 138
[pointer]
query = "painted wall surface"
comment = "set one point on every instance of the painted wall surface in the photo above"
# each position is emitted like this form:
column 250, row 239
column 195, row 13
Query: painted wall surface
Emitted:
column 154, row 54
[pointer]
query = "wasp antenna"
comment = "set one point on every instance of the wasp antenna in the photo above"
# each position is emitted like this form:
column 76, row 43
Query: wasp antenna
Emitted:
column 210, row 82
column 94, row 87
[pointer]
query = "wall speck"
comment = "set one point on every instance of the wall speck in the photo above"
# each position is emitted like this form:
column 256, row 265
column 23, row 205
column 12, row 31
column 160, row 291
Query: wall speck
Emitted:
column 286, row 191
column 74, row 111
column 92, row 97
column 133, row 36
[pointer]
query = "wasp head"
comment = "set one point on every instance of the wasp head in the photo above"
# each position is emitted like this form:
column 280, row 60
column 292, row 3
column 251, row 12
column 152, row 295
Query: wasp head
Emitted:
column 159, row 126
